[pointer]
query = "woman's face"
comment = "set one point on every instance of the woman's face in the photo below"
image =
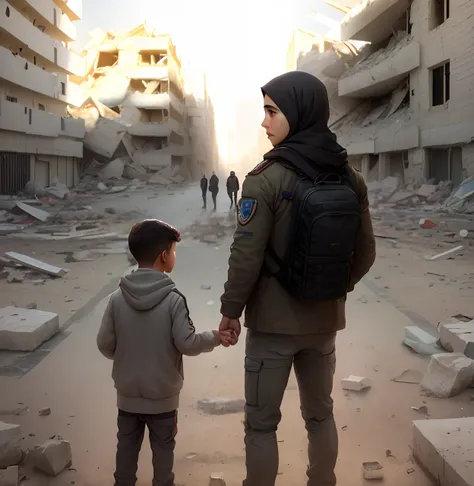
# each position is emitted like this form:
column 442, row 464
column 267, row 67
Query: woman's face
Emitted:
column 275, row 123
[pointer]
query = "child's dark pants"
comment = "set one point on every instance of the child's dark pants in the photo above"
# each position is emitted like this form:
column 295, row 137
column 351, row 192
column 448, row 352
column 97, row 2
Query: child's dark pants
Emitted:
column 131, row 430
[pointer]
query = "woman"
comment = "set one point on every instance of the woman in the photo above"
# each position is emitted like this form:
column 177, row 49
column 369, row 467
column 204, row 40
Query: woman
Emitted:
column 283, row 330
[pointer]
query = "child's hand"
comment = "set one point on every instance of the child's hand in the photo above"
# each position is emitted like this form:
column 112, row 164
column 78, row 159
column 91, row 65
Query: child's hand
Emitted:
column 226, row 338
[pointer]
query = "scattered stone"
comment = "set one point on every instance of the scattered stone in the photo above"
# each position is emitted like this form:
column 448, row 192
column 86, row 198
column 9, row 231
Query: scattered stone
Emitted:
column 456, row 336
column 110, row 210
column 10, row 449
column 372, row 470
column 221, row 406
column 444, row 448
column 409, row 376
column 423, row 409
column 216, row 479
column 52, row 457
column 9, row 476
column 464, row 233
column 410, row 471
column 426, row 190
column 448, row 375
column 26, row 329
column 32, row 306
column 355, row 383
column 58, row 190
column 101, row 186
column 44, row 412
column 32, row 188
column 80, row 256
column 4, row 274
column 206, row 287
column 421, row 341
column 15, row 279
column 209, row 239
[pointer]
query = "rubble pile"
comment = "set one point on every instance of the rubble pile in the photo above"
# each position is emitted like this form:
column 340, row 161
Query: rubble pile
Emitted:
column 213, row 229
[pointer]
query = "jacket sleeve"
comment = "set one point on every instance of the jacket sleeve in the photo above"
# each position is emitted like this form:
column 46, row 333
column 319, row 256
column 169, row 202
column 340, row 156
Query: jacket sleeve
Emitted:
column 364, row 253
column 185, row 338
column 248, row 249
column 106, row 338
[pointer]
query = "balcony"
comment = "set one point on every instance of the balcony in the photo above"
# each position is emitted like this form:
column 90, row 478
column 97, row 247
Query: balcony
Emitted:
column 166, row 129
column 73, row 128
column 16, row 70
column 148, row 73
column 382, row 72
column 72, row 8
column 57, row 24
column 372, row 20
column 19, row 32
column 161, row 101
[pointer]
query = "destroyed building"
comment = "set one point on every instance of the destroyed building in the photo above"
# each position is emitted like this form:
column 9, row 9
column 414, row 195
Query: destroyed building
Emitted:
column 38, row 140
column 402, row 104
column 137, row 104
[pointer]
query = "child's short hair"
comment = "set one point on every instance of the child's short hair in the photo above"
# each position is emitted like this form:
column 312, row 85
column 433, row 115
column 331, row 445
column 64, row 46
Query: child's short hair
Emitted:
column 148, row 239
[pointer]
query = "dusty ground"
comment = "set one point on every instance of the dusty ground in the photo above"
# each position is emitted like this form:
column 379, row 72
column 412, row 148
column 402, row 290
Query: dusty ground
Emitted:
column 70, row 376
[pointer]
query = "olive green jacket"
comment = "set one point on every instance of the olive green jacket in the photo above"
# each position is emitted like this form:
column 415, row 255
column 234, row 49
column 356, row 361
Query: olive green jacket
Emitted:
column 268, row 307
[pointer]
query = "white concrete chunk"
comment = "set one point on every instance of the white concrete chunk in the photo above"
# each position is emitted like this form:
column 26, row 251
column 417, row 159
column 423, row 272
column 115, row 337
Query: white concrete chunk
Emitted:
column 421, row 341
column 355, row 383
column 448, row 374
column 26, row 329
column 38, row 214
column 9, row 476
column 10, row 450
column 52, row 457
column 36, row 264
column 456, row 336
column 445, row 448
column 216, row 479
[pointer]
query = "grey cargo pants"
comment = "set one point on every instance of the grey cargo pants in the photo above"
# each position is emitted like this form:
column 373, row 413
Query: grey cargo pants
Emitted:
column 268, row 362
column 131, row 430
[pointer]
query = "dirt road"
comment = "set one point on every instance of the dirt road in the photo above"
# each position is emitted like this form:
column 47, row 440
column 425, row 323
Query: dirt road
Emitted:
column 74, row 380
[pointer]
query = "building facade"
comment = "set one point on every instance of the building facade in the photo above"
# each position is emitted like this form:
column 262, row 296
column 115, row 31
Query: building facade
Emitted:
column 414, row 85
column 38, row 140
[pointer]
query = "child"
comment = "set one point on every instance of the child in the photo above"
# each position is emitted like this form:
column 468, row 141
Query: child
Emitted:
column 145, row 330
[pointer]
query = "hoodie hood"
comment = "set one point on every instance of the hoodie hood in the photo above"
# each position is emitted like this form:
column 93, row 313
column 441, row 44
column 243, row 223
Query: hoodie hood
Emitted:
column 145, row 288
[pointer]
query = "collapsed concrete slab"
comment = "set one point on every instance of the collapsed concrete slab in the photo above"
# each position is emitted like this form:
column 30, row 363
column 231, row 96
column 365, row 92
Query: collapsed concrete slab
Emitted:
column 114, row 170
column 448, row 375
column 445, row 450
column 105, row 138
column 10, row 449
column 456, row 336
column 52, row 457
column 26, row 329
column 421, row 341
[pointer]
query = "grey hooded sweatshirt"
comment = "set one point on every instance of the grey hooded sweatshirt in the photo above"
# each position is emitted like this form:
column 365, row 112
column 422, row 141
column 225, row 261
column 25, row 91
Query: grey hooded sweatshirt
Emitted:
column 145, row 330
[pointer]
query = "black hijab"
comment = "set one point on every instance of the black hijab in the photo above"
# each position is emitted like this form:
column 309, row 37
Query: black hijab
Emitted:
column 303, row 99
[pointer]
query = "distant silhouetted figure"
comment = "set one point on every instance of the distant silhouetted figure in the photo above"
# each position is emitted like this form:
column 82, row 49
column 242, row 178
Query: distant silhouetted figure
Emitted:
column 204, row 185
column 214, row 188
column 233, row 188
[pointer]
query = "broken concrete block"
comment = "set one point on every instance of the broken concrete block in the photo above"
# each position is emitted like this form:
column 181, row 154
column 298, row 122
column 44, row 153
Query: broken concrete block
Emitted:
column 456, row 336
column 469, row 351
column 36, row 213
column 15, row 279
column 58, row 190
column 26, row 329
column 36, row 264
column 101, row 186
column 9, row 476
column 444, row 449
column 355, row 383
column 427, row 190
column 135, row 171
column 221, row 406
column 216, row 479
column 113, row 170
column 448, row 374
column 421, row 341
column 372, row 470
column 52, row 457
column 10, row 449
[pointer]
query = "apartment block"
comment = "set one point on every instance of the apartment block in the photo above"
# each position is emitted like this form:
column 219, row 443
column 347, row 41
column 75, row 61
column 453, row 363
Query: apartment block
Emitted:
column 38, row 139
column 413, row 89
column 138, row 74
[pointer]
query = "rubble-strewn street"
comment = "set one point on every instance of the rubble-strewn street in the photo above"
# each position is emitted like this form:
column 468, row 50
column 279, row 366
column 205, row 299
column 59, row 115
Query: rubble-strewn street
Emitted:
column 68, row 376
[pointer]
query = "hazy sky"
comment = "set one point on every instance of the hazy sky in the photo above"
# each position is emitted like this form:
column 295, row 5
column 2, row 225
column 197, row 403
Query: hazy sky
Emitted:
column 241, row 45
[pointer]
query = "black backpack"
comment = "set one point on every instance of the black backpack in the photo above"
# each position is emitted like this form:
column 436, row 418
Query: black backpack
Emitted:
column 325, row 223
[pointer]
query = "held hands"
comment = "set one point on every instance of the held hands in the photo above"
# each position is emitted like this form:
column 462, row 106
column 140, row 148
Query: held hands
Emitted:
column 232, row 326
column 226, row 338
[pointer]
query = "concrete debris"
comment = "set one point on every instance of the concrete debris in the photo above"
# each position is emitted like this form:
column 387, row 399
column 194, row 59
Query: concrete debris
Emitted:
column 448, row 375
column 44, row 412
column 412, row 377
column 463, row 233
column 113, row 170
column 52, row 457
column 444, row 449
column 36, row 264
column 26, row 329
column 32, row 306
column 14, row 279
column 10, row 448
column 33, row 188
column 427, row 190
column 462, row 197
column 221, row 406
column 6, row 229
column 38, row 214
column 372, row 470
column 104, row 139
column 355, row 383
column 455, row 337
column 9, row 476
column 80, row 256
column 445, row 253
column 58, row 190
column 101, row 186
column 423, row 409
column 135, row 171
column 421, row 341
column 216, row 479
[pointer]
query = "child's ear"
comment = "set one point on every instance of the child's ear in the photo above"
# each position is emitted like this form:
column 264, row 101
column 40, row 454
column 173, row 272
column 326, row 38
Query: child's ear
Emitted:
column 164, row 256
